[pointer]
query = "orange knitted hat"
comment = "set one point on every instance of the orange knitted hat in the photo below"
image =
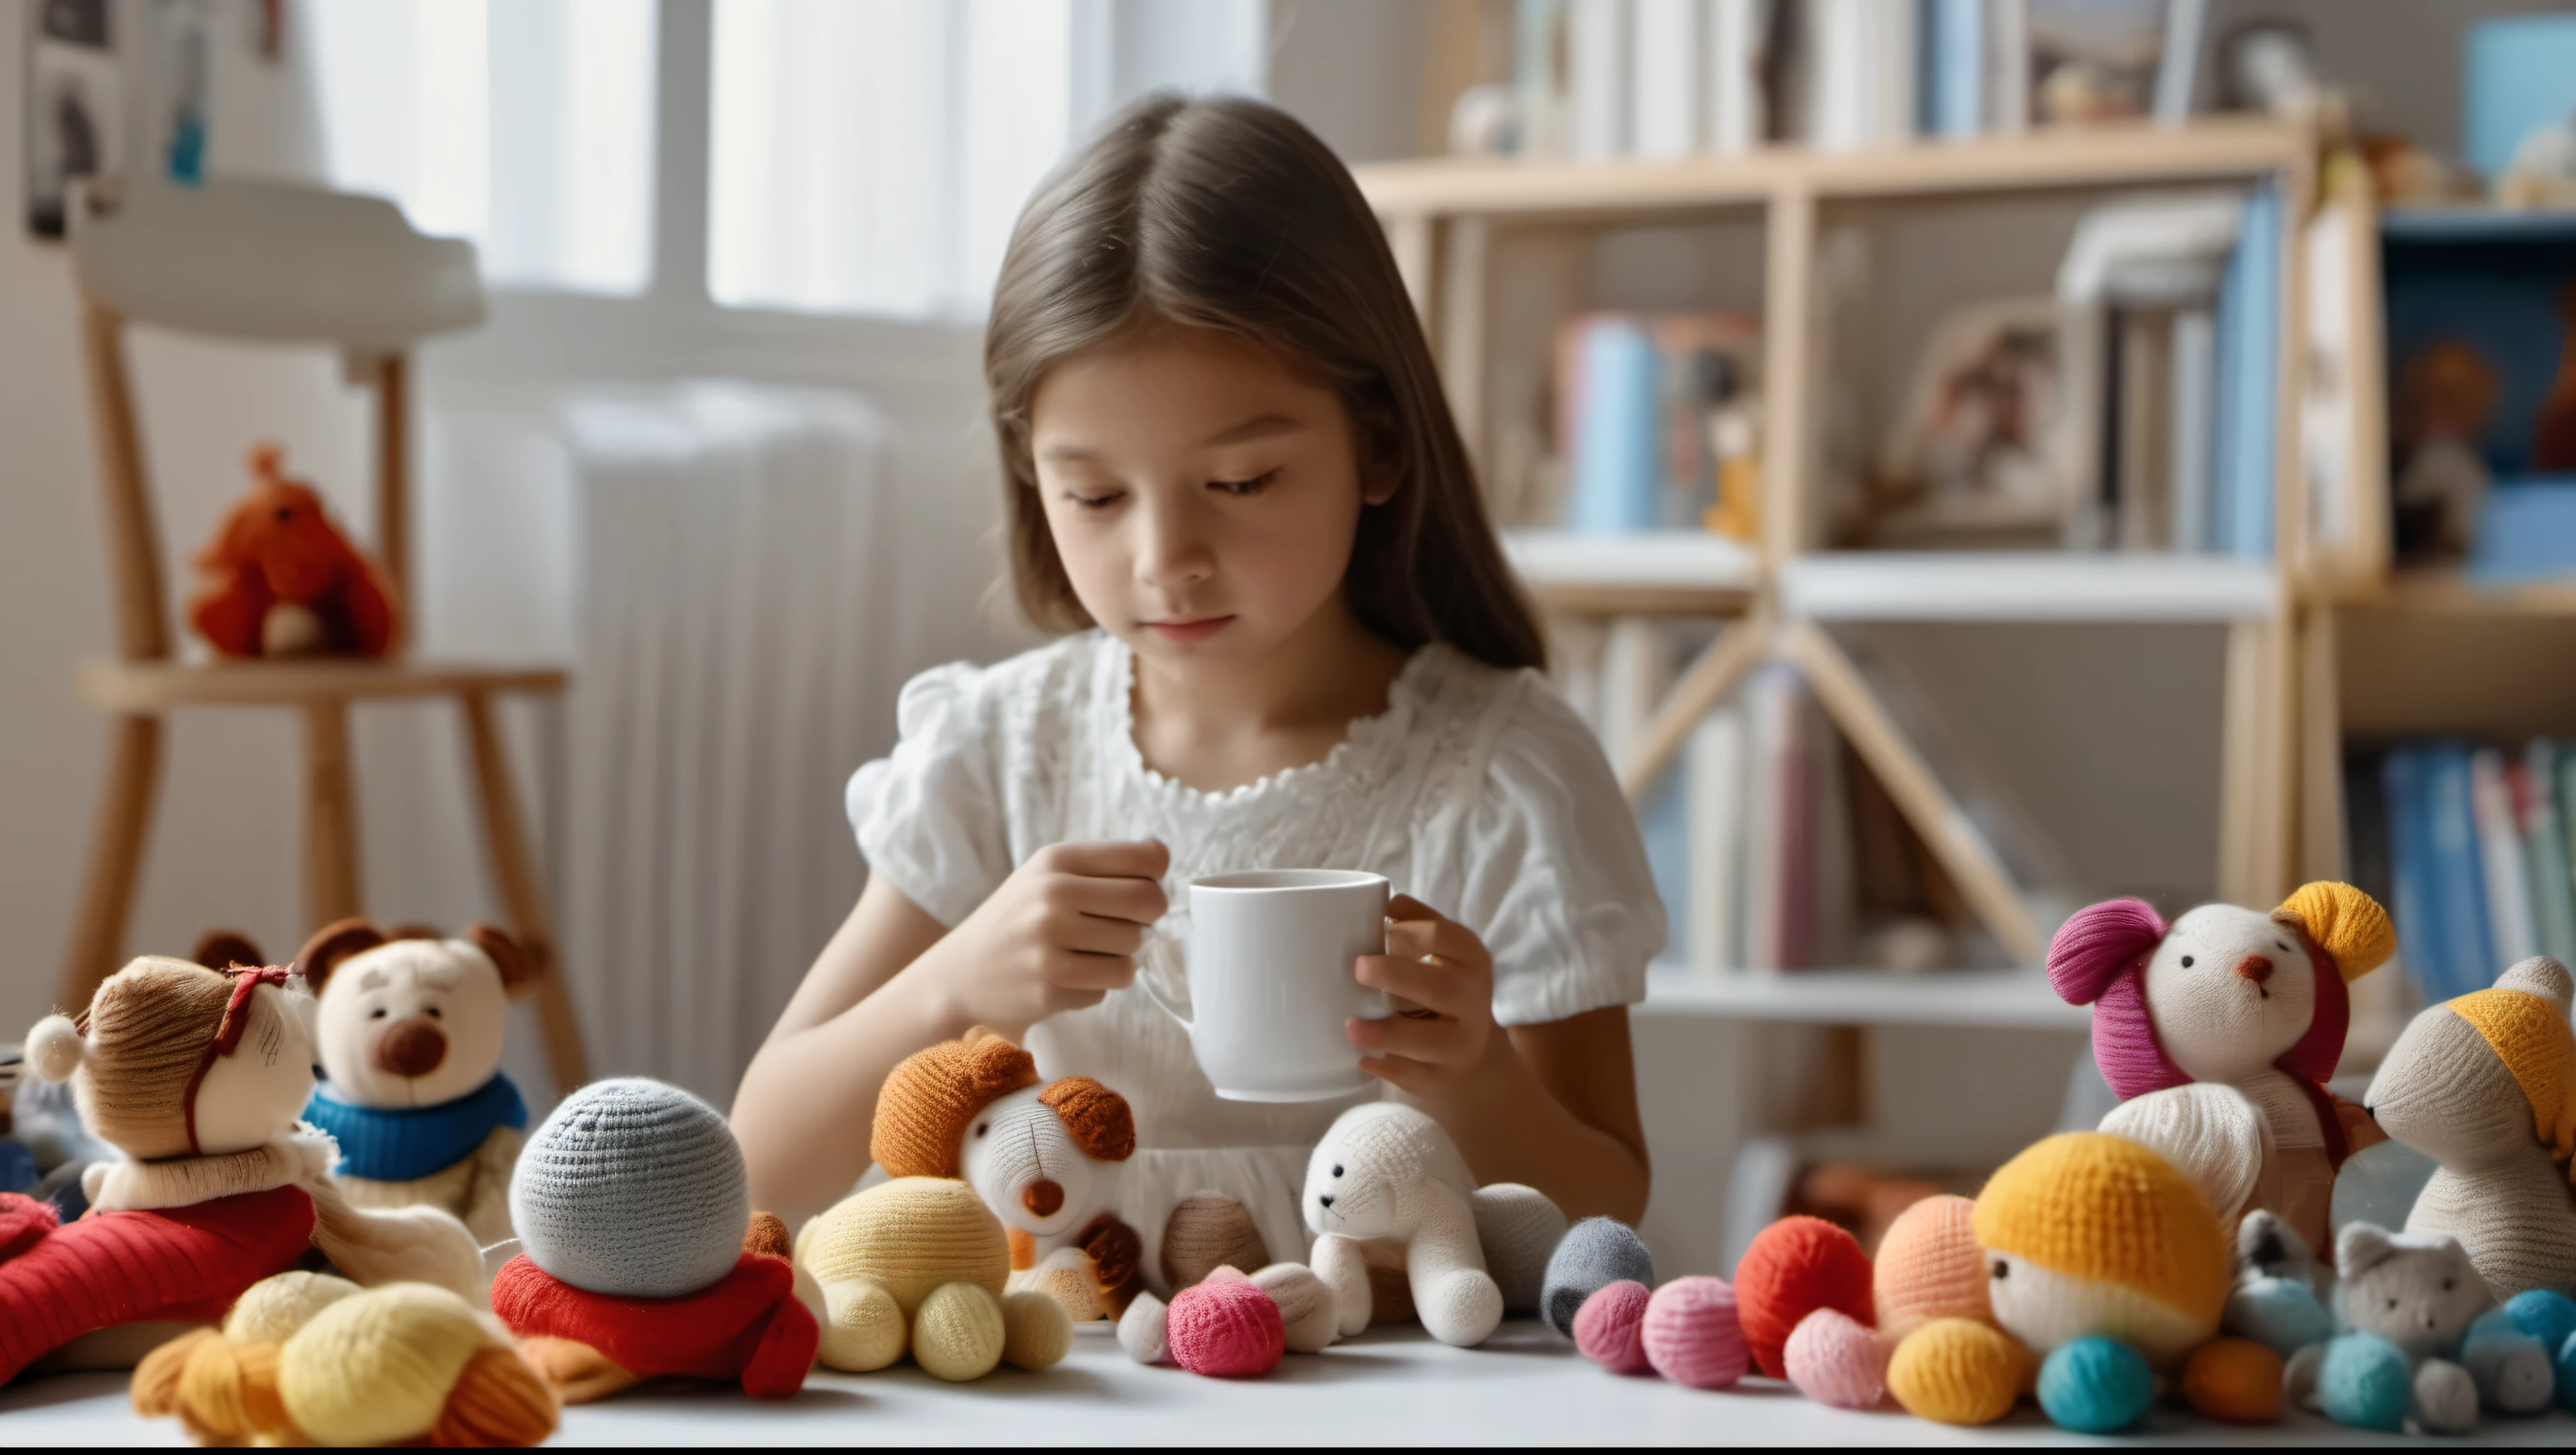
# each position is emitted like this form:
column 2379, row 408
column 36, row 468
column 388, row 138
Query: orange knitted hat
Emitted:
column 2531, row 1038
column 2347, row 924
column 930, row 1098
column 2094, row 1206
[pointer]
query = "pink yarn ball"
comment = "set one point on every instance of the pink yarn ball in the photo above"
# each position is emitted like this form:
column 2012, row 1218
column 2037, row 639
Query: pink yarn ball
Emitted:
column 1610, row 1327
column 1225, row 1325
column 1692, row 1334
column 1836, row 1359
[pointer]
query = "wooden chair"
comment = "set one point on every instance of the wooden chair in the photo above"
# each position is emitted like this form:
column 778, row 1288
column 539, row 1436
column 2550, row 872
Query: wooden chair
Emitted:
column 257, row 261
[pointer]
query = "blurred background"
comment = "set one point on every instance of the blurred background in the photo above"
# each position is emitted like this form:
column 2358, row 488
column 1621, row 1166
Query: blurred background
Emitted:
column 1977, row 457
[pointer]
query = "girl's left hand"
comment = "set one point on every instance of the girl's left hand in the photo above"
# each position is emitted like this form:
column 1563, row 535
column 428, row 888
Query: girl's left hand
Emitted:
column 1440, row 980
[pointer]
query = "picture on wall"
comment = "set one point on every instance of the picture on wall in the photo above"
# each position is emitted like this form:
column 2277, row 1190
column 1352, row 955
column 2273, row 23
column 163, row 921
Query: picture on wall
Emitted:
column 75, row 105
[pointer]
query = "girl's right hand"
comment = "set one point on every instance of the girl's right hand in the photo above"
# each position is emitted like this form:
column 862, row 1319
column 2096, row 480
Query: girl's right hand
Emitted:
column 1060, row 933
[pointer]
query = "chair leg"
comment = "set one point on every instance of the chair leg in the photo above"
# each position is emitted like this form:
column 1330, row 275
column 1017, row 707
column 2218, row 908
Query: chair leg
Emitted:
column 514, row 871
column 115, row 858
column 330, row 817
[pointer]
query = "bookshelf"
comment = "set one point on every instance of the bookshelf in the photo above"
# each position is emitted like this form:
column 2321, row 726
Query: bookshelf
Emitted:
column 1448, row 220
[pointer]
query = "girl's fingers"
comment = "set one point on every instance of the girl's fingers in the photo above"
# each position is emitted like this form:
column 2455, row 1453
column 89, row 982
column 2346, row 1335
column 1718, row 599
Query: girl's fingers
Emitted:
column 1441, row 1042
column 1441, row 985
column 1076, row 970
column 1137, row 901
column 1092, row 934
column 1140, row 859
column 1445, row 938
column 1397, row 1072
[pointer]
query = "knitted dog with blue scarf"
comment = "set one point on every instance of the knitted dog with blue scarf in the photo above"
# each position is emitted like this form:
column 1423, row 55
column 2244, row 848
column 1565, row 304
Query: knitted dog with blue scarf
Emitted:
column 409, row 1034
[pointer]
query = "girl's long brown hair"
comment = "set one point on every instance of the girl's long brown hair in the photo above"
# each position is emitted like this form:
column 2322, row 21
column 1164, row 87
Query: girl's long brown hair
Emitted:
column 1228, row 214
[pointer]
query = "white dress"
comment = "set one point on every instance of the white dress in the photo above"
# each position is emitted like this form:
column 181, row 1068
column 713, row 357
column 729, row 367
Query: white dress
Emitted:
column 1477, row 791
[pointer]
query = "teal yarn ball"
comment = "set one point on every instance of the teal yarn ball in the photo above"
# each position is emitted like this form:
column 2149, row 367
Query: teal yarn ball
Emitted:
column 2545, row 1314
column 2095, row 1386
column 2281, row 1314
column 2364, row 1382
column 2567, row 1375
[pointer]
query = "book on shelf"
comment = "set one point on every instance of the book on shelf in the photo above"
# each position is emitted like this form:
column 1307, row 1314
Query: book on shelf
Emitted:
column 1646, row 405
column 2470, row 847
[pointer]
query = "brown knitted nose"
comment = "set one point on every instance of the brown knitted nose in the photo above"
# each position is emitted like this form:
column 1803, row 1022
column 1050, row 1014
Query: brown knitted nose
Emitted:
column 412, row 1047
column 2255, row 968
column 1042, row 1198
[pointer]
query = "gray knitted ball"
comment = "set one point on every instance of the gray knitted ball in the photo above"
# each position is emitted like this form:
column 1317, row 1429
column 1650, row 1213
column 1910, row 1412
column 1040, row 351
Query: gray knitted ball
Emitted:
column 632, row 1188
column 1594, row 1254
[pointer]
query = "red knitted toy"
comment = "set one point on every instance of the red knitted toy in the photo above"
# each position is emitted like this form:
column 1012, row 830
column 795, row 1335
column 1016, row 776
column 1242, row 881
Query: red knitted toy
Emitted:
column 185, row 1264
column 282, row 581
column 1794, row 1267
column 1225, row 1325
column 747, row 1326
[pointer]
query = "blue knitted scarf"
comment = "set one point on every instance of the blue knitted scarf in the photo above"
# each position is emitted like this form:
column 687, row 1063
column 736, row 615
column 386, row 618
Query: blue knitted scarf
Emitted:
column 400, row 1144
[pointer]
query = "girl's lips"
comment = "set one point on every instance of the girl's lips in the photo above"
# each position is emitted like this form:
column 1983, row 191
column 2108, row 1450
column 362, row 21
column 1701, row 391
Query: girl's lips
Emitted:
column 1197, row 630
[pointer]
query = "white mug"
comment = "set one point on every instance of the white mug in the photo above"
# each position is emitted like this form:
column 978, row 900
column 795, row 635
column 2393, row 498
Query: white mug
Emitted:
column 1273, row 975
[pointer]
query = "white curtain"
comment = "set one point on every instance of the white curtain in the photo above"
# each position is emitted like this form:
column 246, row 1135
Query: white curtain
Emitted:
column 736, row 655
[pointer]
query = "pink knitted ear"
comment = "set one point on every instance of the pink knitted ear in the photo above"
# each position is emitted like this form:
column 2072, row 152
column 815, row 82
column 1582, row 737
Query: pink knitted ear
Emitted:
column 2098, row 944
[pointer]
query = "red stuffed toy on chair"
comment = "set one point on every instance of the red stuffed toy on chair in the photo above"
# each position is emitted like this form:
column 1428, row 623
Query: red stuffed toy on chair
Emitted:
column 283, row 581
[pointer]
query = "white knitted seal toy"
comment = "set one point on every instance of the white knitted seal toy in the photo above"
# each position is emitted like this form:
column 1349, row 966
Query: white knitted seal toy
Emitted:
column 633, row 1188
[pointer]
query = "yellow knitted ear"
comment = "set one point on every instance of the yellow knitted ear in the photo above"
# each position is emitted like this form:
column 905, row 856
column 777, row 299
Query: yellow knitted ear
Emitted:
column 2348, row 924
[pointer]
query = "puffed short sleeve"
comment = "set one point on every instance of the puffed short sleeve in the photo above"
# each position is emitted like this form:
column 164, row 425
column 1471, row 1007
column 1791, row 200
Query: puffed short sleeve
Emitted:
column 929, row 816
column 1552, row 872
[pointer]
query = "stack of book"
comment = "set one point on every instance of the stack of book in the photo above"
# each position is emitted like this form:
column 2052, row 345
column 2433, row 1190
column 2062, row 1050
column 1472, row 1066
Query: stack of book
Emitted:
column 1655, row 421
column 2469, row 847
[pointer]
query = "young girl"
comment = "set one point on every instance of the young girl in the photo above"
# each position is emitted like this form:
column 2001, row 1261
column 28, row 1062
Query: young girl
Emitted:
column 1292, row 643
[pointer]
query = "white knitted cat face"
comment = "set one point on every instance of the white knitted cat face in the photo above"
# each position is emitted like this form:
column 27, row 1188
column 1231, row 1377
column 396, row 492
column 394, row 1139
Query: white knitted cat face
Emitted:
column 2419, row 1293
column 1020, row 1158
column 2229, row 992
column 412, row 1023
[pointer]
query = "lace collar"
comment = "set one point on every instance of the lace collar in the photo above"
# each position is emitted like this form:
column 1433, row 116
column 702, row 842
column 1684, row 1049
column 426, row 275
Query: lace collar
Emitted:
column 1361, row 742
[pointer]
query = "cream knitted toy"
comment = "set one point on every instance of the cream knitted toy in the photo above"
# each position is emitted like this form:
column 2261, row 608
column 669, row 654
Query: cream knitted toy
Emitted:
column 1385, row 1171
column 307, row 1360
column 2242, row 997
column 920, row 1264
column 409, row 1033
column 195, row 1076
column 1049, row 1160
column 2412, row 1309
column 2485, row 1084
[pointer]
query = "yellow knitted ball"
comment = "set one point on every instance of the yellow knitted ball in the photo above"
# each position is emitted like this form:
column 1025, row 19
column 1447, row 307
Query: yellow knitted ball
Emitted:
column 1930, row 1267
column 273, row 1309
column 910, row 1236
column 2346, row 923
column 2094, row 1206
column 376, row 1367
column 1959, row 1372
column 958, row 1332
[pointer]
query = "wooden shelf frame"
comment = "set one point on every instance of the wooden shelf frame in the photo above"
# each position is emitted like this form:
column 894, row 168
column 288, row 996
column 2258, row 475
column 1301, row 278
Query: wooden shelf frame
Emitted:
column 1444, row 217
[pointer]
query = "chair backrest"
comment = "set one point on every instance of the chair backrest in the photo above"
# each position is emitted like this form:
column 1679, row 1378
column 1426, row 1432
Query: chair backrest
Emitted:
column 264, row 261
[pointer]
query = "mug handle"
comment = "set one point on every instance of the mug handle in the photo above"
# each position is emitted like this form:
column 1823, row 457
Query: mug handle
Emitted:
column 1145, row 982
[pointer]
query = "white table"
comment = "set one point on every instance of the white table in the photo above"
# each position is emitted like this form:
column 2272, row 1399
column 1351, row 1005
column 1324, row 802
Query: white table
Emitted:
column 1388, row 1387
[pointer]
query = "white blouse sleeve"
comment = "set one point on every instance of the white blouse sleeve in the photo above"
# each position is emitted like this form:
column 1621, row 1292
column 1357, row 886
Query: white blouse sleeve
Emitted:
column 929, row 816
column 1555, row 876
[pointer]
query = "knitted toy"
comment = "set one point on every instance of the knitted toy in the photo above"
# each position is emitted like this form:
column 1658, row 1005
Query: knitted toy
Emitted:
column 1386, row 1171
column 1791, row 1269
column 920, row 1263
column 1592, row 1255
column 281, row 581
column 2278, row 1300
column 322, row 1363
column 642, row 1257
column 1689, row 1331
column 2412, row 1310
column 2104, row 1267
column 409, row 1034
column 1929, row 1267
column 1048, row 1160
column 2212, row 1134
column 195, row 1077
column 2486, row 1085
column 2227, row 994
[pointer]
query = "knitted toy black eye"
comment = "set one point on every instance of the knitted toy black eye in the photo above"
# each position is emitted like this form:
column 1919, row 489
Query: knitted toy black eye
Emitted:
column 981, row 1128
column 2186, row 962
column 1337, row 1169
column 2002, row 1269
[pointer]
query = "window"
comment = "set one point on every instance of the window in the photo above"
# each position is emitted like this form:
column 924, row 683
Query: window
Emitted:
column 527, row 127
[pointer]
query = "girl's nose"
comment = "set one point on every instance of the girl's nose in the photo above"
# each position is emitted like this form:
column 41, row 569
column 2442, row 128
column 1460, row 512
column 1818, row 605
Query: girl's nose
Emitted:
column 2255, row 968
column 1173, row 552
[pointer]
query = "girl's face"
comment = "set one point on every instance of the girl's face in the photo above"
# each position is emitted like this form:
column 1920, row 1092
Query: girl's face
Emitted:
column 1203, row 496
